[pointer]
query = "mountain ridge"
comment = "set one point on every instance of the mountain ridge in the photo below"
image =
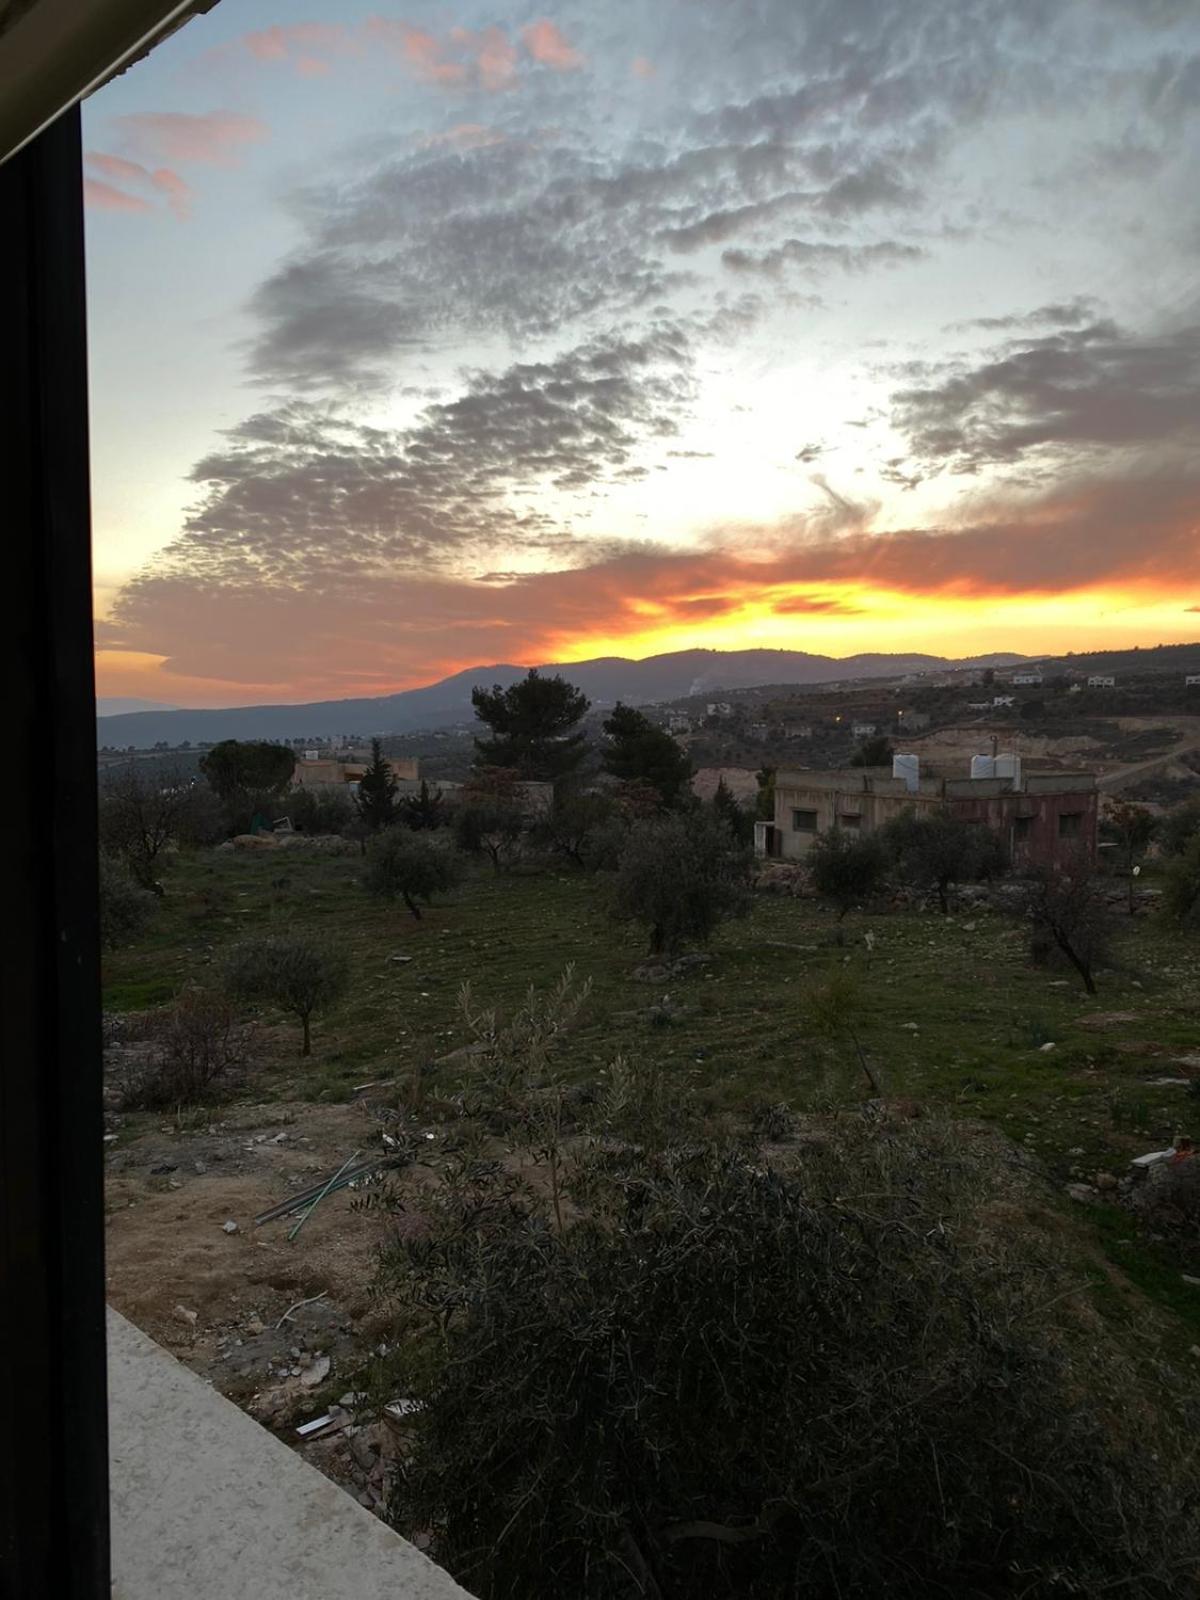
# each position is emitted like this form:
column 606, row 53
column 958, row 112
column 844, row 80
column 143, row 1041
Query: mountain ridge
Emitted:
column 604, row 680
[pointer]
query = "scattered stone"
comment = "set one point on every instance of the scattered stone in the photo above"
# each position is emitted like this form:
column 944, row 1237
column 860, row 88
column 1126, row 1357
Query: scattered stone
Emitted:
column 316, row 1374
column 187, row 1316
column 401, row 960
column 163, row 1168
column 910, row 1027
column 1187, row 1278
column 229, row 1227
column 256, row 1326
column 1083, row 1192
column 1048, row 1046
column 1105, row 1180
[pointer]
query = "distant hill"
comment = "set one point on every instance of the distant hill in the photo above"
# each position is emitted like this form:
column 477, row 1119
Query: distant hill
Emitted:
column 1153, row 658
column 116, row 706
column 442, row 704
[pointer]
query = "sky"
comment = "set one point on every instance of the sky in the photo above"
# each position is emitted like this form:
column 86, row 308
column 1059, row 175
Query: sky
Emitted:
column 487, row 332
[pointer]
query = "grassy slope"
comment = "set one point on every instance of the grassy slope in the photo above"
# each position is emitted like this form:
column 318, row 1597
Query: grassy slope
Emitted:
column 980, row 1011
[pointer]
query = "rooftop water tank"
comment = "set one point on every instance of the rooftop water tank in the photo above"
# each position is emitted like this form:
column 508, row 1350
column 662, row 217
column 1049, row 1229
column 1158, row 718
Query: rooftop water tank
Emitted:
column 983, row 766
column 1009, row 766
column 909, row 768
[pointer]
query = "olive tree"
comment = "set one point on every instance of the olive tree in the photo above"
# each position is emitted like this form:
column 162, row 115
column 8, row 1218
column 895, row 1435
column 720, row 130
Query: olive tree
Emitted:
column 409, row 866
column 299, row 973
column 846, row 867
column 680, row 875
column 936, row 849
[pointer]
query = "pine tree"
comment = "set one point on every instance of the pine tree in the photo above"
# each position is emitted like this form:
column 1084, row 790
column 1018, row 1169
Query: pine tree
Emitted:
column 533, row 726
column 377, row 787
column 640, row 751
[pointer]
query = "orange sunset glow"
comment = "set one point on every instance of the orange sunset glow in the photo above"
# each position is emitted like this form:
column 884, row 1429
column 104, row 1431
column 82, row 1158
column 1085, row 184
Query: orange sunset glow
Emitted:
column 532, row 339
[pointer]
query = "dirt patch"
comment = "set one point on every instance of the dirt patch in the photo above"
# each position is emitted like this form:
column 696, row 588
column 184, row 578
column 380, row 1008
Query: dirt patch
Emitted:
column 171, row 1191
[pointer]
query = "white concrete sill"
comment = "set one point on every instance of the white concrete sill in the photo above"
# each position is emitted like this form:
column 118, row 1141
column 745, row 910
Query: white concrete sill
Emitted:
column 207, row 1505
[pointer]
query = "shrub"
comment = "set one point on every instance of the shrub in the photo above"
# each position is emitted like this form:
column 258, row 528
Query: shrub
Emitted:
column 409, row 866
column 300, row 974
column 424, row 810
column 320, row 810
column 729, row 1379
column 125, row 907
column 1179, row 827
column 143, row 812
column 1181, row 885
column 490, row 818
column 847, row 868
column 198, row 1048
column 680, row 876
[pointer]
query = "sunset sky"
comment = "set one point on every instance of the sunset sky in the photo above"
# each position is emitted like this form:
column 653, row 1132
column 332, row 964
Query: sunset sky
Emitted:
column 487, row 332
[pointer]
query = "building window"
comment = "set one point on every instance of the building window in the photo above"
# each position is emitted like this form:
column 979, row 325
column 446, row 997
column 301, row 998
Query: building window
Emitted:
column 1070, row 824
column 804, row 821
column 850, row 819
column 1022, row 828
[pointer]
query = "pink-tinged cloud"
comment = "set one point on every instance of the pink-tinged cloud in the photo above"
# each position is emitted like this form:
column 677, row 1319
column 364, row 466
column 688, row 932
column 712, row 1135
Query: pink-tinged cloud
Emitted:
column 214, row 138
column 115, row 167
column 306, row 45
column 642, row 67
column 465, row 136
column 463, row 59
column 547, row 44
column 101, row 196
column 178, row 193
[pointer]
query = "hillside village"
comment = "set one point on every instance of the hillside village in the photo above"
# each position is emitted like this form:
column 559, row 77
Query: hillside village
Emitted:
column 958, row 911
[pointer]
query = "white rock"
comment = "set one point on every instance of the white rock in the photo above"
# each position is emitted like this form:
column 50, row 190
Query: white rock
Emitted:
column 230, row 1226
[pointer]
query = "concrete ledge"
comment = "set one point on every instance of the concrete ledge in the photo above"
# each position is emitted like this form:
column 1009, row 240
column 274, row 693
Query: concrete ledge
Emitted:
column 207, row 1505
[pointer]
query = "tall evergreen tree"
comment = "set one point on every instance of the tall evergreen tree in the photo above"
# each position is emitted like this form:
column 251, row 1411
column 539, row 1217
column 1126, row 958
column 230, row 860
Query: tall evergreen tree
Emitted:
column 638, row 750
column 377, row 787
column 533, row 727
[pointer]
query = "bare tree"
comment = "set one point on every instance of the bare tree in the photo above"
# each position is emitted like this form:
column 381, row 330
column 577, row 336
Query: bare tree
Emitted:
column 1069, row 916
column 143, row 810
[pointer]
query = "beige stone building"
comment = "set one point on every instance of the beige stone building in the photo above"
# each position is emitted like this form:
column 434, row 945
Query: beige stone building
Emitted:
column 1040, row 816
column 331, row 772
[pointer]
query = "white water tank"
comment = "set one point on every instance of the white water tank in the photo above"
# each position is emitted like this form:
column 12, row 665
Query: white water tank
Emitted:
column 1009, row 766
column 983, row 766
column 909, row 768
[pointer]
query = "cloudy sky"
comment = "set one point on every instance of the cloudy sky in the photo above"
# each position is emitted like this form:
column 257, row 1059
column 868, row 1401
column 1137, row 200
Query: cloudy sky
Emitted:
column 483, row 332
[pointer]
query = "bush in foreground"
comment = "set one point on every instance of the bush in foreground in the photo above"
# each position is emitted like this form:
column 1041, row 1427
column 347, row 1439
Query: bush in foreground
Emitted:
column 125, row 907
column 847, row 868
column 722, row 1379
column 197, row 1051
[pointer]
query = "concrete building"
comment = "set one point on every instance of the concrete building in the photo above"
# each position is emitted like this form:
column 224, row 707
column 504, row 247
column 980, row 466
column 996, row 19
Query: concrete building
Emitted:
column 718, row 708
column 1192, row 680
column 913, row 721
column 677, row 723
column 1101, row 680
column 1026, row 680
column 1040, row 816
column 862, row 730
column 1001, row 702
column 314, row 771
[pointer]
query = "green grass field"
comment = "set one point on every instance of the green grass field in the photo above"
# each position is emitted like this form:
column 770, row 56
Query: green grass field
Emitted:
column 951, row 1013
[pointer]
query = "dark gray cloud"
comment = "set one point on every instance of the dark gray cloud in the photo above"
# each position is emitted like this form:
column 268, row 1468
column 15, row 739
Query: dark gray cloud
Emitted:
column 1059, row 314
column 807, row 256
column 304, row 490
column 1074, row 389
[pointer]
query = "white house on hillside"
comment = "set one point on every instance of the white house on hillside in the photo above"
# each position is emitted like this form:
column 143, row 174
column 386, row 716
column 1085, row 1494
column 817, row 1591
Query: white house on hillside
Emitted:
column 1101, row 680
